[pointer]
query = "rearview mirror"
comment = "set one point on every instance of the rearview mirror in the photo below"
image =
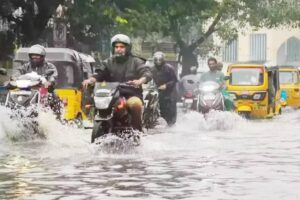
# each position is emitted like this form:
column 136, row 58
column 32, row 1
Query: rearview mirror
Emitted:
column 3, row 71
column 226, row 78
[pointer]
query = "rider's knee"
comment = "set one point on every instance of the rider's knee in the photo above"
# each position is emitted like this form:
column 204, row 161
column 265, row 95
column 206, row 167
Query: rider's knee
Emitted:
column 134, row 102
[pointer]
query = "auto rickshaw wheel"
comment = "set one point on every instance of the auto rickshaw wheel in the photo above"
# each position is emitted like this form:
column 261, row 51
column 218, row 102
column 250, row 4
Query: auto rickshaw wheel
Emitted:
column 245, row 115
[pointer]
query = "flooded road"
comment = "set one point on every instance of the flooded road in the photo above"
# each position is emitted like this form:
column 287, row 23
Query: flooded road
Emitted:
column 221, row 157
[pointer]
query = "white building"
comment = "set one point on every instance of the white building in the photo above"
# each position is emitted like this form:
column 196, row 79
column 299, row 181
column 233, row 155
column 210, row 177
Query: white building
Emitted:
column 273, row 47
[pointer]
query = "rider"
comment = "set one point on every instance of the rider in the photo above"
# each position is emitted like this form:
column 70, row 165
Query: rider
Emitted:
column 38, row 64
column 220, row 66
column 213, row 74
column 122, row 66
column 189, row 82
column 165, row 78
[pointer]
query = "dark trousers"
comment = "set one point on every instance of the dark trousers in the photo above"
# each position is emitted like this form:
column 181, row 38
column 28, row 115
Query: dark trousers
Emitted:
column 168, row 109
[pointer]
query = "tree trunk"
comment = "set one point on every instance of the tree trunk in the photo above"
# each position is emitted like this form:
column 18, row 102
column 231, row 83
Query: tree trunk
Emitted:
column 188, row 59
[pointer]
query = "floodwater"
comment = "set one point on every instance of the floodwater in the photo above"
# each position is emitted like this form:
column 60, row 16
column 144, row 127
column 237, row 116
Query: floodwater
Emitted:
column 220, row 157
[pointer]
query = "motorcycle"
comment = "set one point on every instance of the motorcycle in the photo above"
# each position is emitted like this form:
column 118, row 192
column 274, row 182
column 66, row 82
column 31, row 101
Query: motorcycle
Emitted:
column 111, row 114
column 210, row 97
column 151, row 107
column 189, row 85
column 26, row 97
column 188, row 101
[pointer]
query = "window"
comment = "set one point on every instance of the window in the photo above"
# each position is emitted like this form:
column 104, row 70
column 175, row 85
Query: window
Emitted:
column 293, row 49
column 66, row 75
column 246, row 76
column 288, row 78
column 258, row 47
column 230, row 52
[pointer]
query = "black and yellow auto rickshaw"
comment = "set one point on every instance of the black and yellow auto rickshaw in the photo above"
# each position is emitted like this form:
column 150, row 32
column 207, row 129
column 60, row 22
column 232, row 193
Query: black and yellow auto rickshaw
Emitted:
column 289, row 78
column 71, row 73
column 255, row 89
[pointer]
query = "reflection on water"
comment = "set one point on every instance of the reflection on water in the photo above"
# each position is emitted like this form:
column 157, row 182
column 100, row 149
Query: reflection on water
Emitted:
column 220, row 156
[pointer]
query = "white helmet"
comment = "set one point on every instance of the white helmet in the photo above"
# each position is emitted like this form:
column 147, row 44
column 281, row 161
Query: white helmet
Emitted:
column 38, row 50
column 120, row 38
column 158, row 58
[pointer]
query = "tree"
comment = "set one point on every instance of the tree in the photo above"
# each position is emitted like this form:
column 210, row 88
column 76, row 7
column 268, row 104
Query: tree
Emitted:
column 27, row 20
column 93, row 22
column 191, row 23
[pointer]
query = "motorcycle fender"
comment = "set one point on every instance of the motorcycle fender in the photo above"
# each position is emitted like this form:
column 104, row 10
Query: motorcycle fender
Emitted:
column 98, row 118
column 244, row 109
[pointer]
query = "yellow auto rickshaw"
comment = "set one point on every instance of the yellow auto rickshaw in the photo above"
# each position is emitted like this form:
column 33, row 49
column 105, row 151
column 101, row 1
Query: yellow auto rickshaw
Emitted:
column 71, row 72
column 255, row 89
column 289, row 78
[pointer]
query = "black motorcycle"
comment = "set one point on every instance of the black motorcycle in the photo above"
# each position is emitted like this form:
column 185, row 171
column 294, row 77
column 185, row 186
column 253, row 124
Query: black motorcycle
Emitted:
column 209, row 97
column 111, row 113
column 151, row 107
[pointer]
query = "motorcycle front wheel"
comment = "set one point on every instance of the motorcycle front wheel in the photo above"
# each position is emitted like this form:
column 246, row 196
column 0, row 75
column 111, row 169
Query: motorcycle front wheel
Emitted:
column 98, row 131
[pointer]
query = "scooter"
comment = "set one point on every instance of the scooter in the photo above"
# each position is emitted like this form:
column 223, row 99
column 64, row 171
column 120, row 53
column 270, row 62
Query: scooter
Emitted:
column 210, row 97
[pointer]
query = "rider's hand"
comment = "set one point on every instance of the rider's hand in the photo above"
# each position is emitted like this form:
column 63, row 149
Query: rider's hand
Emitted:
column 135, row 82
column 47, row 84
column 162, row 87
column 87, row 82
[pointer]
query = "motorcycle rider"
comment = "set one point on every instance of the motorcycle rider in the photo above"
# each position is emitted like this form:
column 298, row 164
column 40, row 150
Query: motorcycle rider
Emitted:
column 165, row 78
column 122, row 66
column 220, row 66
column 38, row 64
column 213, row 74
column 189, row 83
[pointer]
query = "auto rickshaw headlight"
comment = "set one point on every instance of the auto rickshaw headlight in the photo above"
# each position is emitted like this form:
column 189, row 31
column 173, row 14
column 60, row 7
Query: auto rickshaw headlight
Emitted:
column 259, row 96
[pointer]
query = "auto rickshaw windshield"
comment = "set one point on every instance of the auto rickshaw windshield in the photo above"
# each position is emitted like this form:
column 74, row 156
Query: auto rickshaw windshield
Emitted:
column 247, row 76
column 66, row 75
column 288, row 77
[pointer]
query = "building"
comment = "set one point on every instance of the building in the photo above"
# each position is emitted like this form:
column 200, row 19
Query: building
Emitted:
column 273, row 47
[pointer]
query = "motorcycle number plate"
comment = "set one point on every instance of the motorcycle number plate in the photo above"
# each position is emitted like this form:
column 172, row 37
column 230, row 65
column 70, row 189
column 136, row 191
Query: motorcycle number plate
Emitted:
column 189, row 101
column 209, row 97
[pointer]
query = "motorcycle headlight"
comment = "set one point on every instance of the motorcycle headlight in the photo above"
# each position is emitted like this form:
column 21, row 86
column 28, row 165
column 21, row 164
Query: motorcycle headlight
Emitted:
column 102, row 102
column 209, row 97
column 259, row 96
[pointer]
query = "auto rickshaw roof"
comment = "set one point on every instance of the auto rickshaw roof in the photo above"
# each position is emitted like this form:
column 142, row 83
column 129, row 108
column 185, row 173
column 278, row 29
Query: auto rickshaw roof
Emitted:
column 87, row 58
column 247, row 65
column 52, row 54
column 288, row 67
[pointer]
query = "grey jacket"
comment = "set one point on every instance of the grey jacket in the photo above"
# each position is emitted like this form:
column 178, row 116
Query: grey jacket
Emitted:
column 27, row 68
